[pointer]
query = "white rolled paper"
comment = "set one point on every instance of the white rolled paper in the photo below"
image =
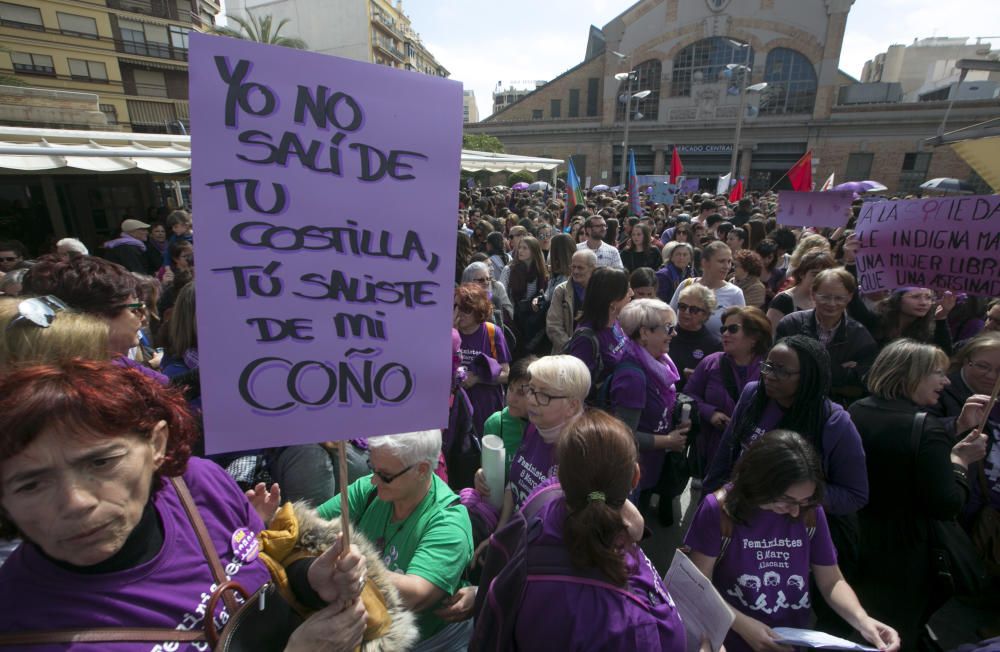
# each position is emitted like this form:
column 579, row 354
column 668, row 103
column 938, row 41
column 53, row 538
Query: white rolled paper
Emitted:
column 494, row 458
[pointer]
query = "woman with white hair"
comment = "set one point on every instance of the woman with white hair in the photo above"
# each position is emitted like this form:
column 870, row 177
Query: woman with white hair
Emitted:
column 481, row 274
column 642, row 388
column 418, row 525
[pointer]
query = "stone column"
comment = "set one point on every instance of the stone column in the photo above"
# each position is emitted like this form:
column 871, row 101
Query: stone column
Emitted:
column 826, row 92
column 659, row 167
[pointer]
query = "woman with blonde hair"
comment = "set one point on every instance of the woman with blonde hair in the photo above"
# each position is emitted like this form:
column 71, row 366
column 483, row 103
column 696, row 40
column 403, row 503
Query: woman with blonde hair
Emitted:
column 44, row 330
column 917, row 475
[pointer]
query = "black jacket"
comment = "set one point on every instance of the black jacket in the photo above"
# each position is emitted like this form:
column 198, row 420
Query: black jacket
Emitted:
column 907, row 489
column 851, row 343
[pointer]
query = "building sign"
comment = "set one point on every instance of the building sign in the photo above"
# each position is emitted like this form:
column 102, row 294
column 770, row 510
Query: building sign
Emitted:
column 323, row 211
column 705, row 149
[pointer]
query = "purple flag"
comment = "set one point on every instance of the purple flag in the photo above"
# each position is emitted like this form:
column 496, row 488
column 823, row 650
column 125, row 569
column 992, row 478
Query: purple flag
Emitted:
column 825, row 209
column 325, row 244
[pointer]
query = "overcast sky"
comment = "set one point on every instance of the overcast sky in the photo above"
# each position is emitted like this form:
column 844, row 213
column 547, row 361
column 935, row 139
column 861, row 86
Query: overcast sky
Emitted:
column 482, row 42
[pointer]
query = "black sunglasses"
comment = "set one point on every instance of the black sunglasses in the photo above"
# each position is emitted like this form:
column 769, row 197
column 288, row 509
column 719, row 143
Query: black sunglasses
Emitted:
column 385, row 477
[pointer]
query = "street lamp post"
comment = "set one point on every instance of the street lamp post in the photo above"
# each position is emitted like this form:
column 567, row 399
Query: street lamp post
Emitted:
column 743, row 68
column 631, row 75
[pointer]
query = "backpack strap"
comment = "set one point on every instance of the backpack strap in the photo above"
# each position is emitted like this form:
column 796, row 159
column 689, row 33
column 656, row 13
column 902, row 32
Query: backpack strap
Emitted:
column 916, row 431
column 725, row 523
column 491, row 335
column 540, row 499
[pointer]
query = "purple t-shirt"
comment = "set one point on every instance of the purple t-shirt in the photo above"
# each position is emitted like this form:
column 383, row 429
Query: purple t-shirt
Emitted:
column 576, row 615
column 630, row 389
column 486, row 396
column 533, row 463
column 611, row 343
column 171, row 590
column 764, row 572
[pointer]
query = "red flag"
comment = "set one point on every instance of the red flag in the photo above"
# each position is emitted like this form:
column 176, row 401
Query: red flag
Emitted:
column 736, row 193
column 676, row 168
column 801, row 174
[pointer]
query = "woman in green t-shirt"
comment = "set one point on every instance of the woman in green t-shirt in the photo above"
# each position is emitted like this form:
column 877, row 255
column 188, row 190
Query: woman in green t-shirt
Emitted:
column 418, row 525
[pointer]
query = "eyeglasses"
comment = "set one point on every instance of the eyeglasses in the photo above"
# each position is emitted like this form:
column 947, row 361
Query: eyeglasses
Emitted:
column 541, row 398
column 694, row 310
column 983, row 367
column 669, row 329
column 833, row 298
column 788, row 501
column 463, row 309
column 7, row 259
column 769, row 369
column 482, row 281
column 40, row 311
column 137, row 308
column 385, row 477
column 732, row 329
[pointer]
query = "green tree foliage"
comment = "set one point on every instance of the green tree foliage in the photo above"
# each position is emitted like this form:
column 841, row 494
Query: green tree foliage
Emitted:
column 482, row 143
column 261, row 30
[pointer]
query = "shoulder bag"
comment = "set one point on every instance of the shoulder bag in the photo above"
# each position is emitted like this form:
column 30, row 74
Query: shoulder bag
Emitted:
column 954, row 559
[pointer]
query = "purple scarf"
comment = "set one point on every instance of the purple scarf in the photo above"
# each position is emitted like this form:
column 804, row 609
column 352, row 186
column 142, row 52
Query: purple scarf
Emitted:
column 661, row 373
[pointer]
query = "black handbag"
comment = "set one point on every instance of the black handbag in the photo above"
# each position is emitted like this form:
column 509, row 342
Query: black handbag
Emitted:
column 263, row 622
column 954, row 559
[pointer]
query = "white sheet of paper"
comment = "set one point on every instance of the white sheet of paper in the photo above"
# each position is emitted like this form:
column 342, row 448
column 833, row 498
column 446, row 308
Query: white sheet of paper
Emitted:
column 820, row 640
column 703, row 611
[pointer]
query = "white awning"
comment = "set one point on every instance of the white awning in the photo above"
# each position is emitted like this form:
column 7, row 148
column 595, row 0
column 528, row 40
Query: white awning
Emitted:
column 473, row 161
column 38, row 150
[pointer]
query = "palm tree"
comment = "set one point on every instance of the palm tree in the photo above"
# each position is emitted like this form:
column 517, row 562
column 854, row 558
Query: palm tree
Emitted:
column 261, row 30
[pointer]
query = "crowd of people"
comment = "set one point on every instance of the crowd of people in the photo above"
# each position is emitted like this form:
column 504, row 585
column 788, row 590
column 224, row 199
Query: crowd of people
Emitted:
column 841, row 450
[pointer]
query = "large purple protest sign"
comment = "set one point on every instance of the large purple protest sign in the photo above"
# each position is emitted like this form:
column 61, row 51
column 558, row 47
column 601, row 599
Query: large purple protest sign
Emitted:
column 690, row 185
column 821, row 209
column 949, row 243
column 324, row 205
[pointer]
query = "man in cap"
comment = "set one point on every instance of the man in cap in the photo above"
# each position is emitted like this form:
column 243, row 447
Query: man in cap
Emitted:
column 130, row 250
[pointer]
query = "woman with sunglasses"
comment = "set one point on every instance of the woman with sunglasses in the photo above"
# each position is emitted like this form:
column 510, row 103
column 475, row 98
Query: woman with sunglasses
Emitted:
column 642, row 389
column 793, row 396
column 918, row 474
column 851, row 347
column 418, row 526
column 693, row 341
column 101, row 288
column 761, row 537
column 485, row 355
column 720, row 378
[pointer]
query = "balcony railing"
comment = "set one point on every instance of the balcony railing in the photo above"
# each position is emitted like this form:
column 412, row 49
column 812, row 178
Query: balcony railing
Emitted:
column 147, row 49
column 159, row 8
column 157, row 114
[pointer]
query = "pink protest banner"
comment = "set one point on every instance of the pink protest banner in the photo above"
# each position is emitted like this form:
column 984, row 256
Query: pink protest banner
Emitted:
column 324, row 201
column 821, row 209
column 948, row 244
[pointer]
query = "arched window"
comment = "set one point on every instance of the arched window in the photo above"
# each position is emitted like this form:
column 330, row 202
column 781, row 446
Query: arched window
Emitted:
column 706, row 60
column 648, row 75
column 791, row 83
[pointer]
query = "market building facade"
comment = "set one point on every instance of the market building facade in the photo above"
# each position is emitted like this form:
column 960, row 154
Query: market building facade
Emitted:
column 700, row 61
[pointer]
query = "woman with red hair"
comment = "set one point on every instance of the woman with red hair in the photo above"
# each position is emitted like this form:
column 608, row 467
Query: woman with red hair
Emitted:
column 485, row 356
column 94, row 462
